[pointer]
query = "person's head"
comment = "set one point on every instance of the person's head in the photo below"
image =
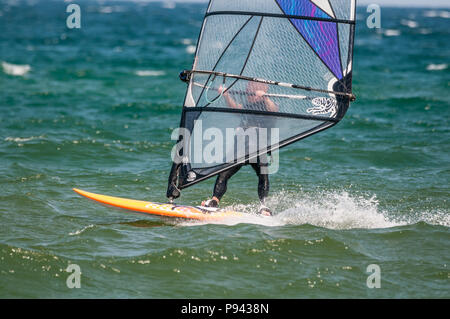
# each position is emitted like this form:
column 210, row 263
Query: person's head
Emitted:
column 255, row 91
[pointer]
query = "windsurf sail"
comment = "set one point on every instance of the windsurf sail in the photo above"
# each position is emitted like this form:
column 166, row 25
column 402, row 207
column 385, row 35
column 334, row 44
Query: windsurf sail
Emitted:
column 282, row 68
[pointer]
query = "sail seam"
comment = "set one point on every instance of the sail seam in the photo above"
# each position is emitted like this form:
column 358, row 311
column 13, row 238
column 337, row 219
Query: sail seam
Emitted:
column 257, row 112
column 275, row 15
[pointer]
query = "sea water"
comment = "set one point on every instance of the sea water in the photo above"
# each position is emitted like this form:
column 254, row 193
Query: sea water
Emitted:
column 95, row 107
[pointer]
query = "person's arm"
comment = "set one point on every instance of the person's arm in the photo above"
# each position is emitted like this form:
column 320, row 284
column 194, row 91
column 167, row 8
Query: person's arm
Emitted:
column 231, row 103
column 270, row 105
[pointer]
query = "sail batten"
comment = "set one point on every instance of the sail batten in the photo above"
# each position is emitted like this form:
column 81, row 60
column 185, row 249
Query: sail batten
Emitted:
column 283, row 16
column 283, row 84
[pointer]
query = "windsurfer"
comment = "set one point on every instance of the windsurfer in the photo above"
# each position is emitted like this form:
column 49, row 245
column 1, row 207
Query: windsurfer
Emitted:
column 257, row 100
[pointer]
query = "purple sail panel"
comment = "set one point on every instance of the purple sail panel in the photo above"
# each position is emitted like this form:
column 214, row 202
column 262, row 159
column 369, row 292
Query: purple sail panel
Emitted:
column 322, row 36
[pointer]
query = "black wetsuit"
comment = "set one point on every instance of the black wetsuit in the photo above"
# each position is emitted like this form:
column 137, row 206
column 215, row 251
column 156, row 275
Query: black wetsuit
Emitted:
column 261, row 165
column 263, row 179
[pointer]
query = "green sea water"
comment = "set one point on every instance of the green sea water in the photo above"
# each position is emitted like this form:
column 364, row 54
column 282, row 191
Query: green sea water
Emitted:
column 94, row 108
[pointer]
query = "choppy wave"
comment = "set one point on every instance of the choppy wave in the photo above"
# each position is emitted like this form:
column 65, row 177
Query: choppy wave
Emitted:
column 80, row 231
column 190, row 49
column 409, row 23
column 149, row 73
column 23, row 139
column 169, row 5
column 15, row 69
column 437, row 67
column 437, row 14
column 391, row 32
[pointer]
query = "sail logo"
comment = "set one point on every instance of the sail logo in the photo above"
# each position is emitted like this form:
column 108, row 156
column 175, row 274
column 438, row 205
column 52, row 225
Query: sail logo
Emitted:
column 211, row 146
column 323, row 105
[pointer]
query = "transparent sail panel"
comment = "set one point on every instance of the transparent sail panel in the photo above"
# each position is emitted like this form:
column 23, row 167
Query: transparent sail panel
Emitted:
column 220, row 137
column 266, row 73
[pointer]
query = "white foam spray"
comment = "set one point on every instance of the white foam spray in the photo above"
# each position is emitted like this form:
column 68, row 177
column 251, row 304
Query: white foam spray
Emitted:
column 330, row 209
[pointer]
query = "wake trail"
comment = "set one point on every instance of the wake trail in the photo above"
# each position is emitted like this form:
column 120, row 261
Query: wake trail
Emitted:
column 338, row 210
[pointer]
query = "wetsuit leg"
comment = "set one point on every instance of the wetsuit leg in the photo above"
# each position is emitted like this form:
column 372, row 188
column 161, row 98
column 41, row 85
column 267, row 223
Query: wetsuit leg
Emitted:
column 263, row 177
column 221, row 182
